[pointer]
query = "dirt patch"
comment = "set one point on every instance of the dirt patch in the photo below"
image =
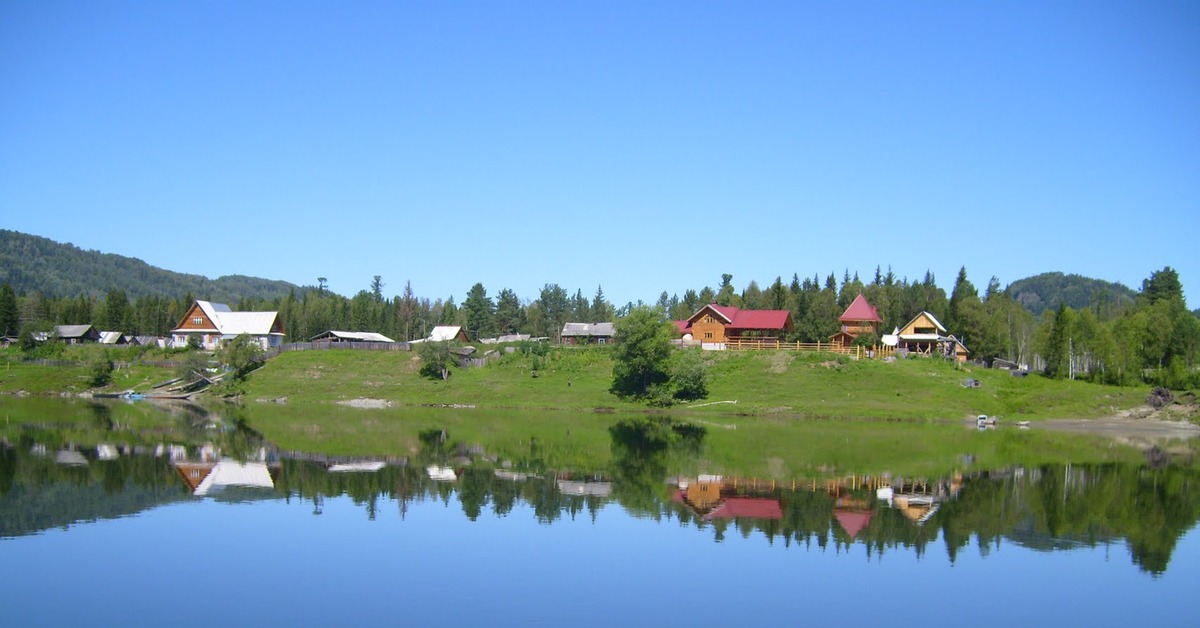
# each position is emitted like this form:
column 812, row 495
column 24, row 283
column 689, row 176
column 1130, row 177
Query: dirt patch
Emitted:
column 363, row 402
column 780, row 361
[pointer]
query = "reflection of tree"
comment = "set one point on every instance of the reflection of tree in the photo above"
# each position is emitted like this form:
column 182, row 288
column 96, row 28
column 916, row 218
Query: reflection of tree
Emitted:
column 642, row 448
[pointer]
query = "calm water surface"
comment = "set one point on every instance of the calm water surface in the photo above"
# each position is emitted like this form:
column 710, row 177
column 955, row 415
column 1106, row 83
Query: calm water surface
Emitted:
column 192, row 522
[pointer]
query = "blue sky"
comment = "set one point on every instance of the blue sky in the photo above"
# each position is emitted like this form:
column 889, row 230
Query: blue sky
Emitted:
column 641, row 146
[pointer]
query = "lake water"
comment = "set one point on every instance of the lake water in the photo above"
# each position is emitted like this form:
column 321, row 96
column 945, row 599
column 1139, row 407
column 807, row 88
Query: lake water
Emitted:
column 127, row 515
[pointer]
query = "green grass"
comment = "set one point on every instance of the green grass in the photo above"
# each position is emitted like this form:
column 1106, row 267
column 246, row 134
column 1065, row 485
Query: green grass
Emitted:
column 762, row 383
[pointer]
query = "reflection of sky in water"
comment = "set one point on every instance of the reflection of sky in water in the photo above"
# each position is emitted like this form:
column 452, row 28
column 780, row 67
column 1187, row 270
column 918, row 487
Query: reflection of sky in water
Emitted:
column 275, row 563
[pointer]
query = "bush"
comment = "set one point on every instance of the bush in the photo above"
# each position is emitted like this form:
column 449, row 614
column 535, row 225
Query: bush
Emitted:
column 689, row 376
column 435, row 359
column 100, row 369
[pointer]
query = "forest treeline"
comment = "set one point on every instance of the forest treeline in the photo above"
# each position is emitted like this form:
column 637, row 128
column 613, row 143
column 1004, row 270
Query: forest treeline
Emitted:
column 1111, row 338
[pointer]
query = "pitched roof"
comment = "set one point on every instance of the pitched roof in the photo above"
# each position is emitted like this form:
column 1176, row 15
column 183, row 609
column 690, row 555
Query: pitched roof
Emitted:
column 359, row 336
column 442, row 333
column 860, row 310
column 761, row 319
column 72, row 331
column 230, row 323
column 588, row 329
column 937, row 324
column 736, row 318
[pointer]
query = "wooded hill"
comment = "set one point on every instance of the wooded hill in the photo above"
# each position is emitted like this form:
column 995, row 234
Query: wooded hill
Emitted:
column 35, row 264
column 1049, row 290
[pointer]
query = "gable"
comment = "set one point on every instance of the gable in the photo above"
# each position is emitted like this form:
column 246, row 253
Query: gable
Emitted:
column 925, row 322
column 196, row 319
column 719, row 314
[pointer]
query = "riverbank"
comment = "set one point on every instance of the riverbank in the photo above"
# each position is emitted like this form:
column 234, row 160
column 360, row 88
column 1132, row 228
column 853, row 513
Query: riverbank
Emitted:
column 774, row 385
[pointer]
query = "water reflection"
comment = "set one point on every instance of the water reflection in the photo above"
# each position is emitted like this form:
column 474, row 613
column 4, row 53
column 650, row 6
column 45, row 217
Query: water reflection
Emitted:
column 50, row 479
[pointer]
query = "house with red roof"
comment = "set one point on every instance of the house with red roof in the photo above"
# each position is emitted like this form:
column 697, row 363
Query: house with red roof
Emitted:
column 858, row 319
column 714, row 325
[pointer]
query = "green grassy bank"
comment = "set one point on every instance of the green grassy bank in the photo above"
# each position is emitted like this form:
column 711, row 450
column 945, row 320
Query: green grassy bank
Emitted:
column 762, row 383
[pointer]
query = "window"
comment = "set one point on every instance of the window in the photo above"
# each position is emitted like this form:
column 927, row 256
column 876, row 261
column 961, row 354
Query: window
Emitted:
column 708, row 335
column 198, row 321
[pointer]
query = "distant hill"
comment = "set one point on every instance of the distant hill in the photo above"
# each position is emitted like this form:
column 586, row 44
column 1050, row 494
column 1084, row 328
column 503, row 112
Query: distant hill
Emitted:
column 36, row 264
column 1047, row 290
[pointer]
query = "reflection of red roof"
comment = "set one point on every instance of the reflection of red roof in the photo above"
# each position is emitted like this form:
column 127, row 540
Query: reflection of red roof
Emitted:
column 860, row 310
column 751, row 507
column 853, row 521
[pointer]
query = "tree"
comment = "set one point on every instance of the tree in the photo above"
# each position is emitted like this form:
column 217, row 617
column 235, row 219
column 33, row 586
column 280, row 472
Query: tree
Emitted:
column 435, row 359
column 241, row 354
column 377, row 288
column 10, row 320
column 479, row 311
column 641, row 358
column 510, row 316
column 601, row 309
column 725, row 293
column 1056, row 346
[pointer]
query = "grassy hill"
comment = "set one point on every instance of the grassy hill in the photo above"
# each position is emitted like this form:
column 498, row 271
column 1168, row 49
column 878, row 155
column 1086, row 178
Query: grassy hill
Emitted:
column 36, row 264
column 762, row 383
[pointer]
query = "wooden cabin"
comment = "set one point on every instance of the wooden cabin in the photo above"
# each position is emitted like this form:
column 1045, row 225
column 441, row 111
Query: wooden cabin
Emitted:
column 925, row 335
column 858, row 319
column 588, row 333
column 714, row 325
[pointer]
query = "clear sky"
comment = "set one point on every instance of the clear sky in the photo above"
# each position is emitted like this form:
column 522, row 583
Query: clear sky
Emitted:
column 640, row 146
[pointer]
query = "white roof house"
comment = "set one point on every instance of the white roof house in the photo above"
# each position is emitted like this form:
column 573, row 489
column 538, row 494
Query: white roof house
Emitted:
column 350, row 336
column 215, row 322
column 445, row 333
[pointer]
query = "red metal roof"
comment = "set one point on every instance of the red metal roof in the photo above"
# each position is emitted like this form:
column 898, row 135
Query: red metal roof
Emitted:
column 754, row 508
column 860, row 310
column 683, row 326
column 761, row 319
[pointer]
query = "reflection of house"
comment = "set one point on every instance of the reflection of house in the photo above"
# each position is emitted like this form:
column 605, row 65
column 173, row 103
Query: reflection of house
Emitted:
column 213, row 323
column 76, row 334
column 714, row 325
column 852, row 521
column 207, row 478
column 587, row 333
column 925, row 335
column 705, row 497
column 441, row 474
column 350, row 336
column 585, row 489
column 858, row 319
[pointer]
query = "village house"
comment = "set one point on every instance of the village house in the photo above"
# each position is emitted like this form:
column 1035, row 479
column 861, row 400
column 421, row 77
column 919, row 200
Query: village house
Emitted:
column 858, row 319
column 925, row 335
column 716, row 325
column 76, row 334
column 445, row 333
column 334, row 336
column 213, row 323
column 588, row 333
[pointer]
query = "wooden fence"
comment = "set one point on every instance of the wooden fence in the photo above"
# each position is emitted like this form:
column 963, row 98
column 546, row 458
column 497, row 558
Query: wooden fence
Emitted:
column 354, row 346
column 774, row 344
